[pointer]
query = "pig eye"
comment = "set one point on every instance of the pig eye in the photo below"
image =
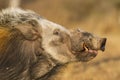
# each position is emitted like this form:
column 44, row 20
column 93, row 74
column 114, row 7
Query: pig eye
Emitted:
column 56, row 32
column 90, row 39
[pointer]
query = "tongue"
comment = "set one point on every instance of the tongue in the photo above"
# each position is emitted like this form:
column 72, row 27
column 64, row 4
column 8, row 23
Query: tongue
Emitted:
column 93, row 51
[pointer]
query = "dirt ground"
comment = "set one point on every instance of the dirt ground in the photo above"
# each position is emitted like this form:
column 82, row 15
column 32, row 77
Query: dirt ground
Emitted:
column 101, row 17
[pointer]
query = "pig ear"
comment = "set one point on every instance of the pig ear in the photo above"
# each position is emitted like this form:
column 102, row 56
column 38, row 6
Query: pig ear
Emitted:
column 33, row 22
column 79, row 30
column 30, row 30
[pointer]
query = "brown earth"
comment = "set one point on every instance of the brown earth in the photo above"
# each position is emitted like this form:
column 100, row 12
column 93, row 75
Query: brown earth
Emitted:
column 100, row 17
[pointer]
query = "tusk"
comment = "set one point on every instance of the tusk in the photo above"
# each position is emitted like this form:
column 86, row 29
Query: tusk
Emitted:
column 86, row 49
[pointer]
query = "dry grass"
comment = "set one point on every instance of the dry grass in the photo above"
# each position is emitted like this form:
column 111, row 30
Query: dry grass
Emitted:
column 102, row 19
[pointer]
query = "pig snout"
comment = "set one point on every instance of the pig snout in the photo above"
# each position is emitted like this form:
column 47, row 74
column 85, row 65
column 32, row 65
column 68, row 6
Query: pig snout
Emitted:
column 103, row 43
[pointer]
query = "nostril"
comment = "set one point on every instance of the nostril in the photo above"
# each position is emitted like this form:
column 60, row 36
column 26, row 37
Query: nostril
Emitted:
column 103, row 44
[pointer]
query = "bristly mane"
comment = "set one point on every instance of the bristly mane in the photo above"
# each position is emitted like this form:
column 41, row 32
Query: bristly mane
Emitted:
column 16, row 55
column 14, row 16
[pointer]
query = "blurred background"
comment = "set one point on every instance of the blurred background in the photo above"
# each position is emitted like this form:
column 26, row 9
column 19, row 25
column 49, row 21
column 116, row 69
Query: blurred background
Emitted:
column 101, row 17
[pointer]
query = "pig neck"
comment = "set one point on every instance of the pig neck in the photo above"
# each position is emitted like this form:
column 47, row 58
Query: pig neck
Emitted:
column 51, row 73
column 44, row 68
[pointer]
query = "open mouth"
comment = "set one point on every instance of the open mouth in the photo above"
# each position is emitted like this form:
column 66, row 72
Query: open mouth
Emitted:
column 88, row 50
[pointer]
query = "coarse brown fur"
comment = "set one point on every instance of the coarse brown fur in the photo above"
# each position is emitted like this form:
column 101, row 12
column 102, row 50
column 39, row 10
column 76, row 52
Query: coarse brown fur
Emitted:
column 20, row 58
column 15, row 55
